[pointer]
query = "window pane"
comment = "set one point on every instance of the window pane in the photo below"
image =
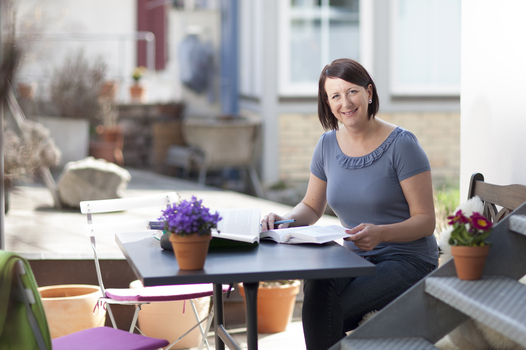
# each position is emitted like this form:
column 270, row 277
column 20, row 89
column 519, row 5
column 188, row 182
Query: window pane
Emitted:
column 428, row 43
column 305, row 50
column 321, row 31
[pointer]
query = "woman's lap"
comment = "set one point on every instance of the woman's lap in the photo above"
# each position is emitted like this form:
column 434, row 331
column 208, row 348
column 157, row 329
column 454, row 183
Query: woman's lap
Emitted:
column 332, row 307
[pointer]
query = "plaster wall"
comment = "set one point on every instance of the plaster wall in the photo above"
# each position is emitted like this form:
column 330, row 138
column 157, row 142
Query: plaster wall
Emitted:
column 492, row 104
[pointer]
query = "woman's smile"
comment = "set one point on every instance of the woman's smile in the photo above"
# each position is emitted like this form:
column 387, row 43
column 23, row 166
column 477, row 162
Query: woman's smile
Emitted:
column 348, row 101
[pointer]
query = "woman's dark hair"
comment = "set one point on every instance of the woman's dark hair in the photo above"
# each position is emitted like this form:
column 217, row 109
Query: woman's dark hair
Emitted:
column 352, row 72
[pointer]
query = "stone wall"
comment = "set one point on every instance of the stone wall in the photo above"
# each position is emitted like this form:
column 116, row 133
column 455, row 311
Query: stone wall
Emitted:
column 438, row 133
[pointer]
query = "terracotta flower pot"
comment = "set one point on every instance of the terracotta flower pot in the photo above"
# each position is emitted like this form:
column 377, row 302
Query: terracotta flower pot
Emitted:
column 109, row 90
column 275, row 306
column 138, row 93
column 191, row 250
column 469, row 261
column 171, row 319
column 69, row 308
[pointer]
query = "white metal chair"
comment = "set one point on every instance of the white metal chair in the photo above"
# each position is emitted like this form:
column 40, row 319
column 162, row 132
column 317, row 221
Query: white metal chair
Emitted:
column 23, row 324
column 145, row 295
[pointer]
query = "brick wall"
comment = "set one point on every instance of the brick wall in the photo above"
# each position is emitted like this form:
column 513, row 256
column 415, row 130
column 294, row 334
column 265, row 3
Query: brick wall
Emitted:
column 438, row 133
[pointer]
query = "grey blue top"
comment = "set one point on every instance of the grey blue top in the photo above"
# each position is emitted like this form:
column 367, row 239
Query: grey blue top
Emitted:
column 367, row 189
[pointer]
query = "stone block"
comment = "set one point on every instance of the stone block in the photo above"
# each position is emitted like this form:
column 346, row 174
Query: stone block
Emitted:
column 91, row 179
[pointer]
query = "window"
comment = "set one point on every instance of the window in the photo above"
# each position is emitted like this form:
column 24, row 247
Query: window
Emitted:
column 152, row 18
column 425, row 47
column 313, row 33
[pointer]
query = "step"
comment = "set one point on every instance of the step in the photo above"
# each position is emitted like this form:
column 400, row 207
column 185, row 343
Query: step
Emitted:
column 496, row 301
column 517, row 223
column 387, row 343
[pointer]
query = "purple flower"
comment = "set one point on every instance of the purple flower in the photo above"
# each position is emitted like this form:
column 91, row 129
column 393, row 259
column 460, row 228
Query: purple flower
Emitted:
column 458, row 218
column 479, row 222
column 189, row 217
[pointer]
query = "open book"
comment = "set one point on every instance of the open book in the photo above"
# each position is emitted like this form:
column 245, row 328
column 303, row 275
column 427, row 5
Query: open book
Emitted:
column 244, row 225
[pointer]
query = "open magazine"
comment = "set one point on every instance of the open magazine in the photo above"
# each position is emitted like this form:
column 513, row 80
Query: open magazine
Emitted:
column 244, row 225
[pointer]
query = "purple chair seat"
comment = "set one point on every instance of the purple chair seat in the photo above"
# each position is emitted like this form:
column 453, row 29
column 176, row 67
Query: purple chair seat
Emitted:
column 106, row 338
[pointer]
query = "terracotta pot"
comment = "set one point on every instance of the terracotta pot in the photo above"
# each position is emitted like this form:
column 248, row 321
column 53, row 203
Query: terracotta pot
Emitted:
column 469, row 261
column 275, row 306
column 138, row 93
column 191, row 250
column 27, row 90
column 69, row 308
column 171, row 319
column 109, row 90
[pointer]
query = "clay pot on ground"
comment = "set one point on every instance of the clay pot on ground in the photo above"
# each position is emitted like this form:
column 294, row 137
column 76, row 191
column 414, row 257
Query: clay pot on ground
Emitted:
column 70, row 308
column 275, row 305
column 170, row 320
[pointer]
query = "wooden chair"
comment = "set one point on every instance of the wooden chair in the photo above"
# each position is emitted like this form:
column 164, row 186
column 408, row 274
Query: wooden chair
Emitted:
column 498, row 200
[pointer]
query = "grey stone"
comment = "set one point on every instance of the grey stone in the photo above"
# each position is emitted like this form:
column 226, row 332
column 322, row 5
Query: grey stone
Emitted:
column 91, row 179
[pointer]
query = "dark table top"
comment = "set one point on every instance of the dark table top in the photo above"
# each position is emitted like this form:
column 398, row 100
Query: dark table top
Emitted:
column 242, row 262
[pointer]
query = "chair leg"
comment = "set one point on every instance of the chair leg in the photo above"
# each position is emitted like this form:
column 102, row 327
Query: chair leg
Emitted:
column 256, row 183
column 204, row 332
column 112, row 318
column 202, row 175
column 135, row 316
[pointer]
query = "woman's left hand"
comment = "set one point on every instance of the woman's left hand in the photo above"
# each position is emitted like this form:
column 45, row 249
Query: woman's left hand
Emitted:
column 365, row 236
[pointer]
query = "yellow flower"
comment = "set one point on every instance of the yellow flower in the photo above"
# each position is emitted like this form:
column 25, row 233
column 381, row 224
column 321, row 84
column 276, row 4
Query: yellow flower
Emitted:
column 138, row 73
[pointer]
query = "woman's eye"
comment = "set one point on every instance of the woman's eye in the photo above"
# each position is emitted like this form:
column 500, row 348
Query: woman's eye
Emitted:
column 335, row 96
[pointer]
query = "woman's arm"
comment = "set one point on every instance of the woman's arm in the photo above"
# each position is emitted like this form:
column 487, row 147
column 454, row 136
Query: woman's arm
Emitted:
column 418, row 191
column 307, row 212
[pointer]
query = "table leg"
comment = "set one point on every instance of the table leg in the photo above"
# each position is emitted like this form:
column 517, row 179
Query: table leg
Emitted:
column 219, row 319
column 251, row 297
column 221, row 335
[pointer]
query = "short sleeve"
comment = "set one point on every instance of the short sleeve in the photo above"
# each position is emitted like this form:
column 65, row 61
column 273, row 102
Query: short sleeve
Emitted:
column 317, row 164
column 410, row 158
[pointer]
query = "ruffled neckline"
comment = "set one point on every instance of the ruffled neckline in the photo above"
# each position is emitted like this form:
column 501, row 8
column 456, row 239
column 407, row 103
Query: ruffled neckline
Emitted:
column 361, row 162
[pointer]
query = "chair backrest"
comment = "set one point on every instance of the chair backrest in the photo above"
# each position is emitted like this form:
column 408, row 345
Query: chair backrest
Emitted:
column 110, row 227
column 498, row 200
column 23, row 323
column 224, row 143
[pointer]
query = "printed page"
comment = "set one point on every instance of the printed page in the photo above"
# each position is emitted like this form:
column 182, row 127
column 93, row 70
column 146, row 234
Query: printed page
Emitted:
column 307, row 234
column 237, row 223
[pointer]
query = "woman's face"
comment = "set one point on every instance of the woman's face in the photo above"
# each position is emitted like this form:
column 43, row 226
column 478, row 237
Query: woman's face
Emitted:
column 348, row 102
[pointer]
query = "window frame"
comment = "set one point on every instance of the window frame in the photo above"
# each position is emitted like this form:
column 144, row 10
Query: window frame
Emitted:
column 286, row 88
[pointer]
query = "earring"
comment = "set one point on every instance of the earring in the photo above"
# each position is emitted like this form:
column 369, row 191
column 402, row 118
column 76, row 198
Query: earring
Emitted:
column 370, row 101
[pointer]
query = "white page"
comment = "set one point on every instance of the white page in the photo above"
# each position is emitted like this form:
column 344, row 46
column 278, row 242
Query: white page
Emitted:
column 307, row 234
column 239, row 222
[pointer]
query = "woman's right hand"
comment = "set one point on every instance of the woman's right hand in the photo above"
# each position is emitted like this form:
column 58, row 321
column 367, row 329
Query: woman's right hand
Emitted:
column 268, row 222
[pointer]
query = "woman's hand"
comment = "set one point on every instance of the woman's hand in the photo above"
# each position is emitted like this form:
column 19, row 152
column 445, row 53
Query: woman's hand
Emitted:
column 365, row 236
column 268, row 222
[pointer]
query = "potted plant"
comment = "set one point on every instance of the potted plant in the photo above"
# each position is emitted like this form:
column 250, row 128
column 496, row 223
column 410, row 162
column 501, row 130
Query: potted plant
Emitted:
column 138, row 91
column 188, row 224
column 74, row 95
column 109, row 140
column 276, row 300
column 468, row 243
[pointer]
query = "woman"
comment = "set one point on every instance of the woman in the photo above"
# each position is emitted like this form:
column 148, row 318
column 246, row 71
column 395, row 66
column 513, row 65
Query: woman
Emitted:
column 377, row 179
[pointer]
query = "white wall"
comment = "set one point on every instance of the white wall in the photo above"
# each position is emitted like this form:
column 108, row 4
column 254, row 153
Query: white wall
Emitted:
column 106, row 29
column 493, row 93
